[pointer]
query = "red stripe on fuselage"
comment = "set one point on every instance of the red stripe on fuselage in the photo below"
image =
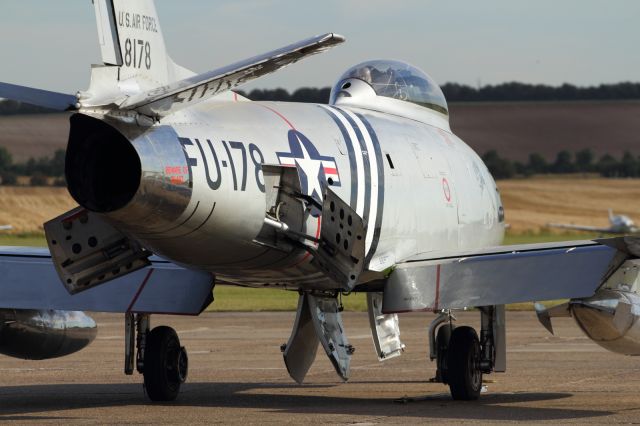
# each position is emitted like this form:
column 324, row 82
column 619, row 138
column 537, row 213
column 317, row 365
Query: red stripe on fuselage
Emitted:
column 279, row 115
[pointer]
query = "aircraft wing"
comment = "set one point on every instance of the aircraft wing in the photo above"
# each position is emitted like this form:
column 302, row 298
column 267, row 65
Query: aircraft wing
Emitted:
column 38, row 97
column 29, row 281
column 582, row 228
column 505, row 274
column 168, row 99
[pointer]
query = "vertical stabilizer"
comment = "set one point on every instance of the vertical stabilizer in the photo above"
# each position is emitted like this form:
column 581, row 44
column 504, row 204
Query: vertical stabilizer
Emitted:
column 131, row 38
column 107, row 32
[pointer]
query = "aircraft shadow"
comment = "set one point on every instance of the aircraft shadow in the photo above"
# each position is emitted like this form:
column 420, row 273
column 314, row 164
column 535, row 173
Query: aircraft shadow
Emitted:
column 24, row 402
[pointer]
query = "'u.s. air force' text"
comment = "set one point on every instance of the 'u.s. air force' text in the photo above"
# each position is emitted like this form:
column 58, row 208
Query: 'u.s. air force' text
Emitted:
column 137, row 21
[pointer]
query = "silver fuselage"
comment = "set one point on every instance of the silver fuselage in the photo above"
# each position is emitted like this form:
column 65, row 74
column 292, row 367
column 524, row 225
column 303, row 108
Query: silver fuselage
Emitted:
column 201, row 202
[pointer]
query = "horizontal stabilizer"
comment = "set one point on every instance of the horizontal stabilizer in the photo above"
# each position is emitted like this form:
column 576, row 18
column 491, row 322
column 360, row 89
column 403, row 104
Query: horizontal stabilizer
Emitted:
column 168, row 99
column 29, row 281
column 38, row 97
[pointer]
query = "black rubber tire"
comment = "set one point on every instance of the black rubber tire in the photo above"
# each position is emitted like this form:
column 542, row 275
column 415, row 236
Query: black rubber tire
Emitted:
column 165, row 364
column 442, row 346
column 463, row 359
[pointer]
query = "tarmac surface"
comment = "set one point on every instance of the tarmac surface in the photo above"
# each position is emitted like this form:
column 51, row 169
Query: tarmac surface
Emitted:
column 236, row 375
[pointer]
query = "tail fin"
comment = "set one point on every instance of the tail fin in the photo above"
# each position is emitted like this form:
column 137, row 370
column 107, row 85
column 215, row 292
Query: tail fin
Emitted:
column 131, row 38
column 611, row 215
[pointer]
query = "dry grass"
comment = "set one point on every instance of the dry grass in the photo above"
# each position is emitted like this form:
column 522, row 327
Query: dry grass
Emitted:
column 27, row 208
column 530, row 204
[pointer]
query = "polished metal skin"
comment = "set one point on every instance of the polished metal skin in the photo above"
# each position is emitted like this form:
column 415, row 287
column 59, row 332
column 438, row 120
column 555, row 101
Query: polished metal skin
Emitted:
column 186, row 207
column 44, row 334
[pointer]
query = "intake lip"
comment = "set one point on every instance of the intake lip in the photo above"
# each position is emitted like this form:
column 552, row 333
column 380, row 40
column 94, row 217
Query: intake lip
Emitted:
column 102, row 168
column 138, row 178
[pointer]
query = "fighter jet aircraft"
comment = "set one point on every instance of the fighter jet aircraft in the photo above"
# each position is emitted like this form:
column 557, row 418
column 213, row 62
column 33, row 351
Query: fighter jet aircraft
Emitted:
column 618, row 224
column 183, row 183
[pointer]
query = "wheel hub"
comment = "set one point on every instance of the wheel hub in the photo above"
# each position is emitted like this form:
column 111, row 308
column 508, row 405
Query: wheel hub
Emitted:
column 180, row 365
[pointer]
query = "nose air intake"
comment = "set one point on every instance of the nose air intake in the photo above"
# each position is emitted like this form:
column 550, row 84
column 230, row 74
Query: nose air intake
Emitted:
column 102, row 168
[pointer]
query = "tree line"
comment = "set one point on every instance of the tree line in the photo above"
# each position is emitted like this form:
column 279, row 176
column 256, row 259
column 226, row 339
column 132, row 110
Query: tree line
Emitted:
column 583, row 161
column 37, row 170
column 455, row 92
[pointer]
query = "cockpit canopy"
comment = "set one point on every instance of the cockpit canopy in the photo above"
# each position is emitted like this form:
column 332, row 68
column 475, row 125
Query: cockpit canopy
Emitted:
column 396, row 80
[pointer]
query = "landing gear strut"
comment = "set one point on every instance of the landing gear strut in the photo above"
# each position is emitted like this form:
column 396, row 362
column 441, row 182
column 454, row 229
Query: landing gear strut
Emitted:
column 462, row 358
column 158, row 357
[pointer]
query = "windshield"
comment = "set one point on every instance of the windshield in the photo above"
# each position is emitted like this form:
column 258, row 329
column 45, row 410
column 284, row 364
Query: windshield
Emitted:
column 399, row 80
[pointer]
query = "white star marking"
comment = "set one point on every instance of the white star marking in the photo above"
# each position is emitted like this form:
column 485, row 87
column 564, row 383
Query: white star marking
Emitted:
column 311, row 168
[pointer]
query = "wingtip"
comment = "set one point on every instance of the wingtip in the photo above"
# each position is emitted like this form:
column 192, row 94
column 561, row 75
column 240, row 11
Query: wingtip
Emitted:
column 339, row 38
column 334, row 38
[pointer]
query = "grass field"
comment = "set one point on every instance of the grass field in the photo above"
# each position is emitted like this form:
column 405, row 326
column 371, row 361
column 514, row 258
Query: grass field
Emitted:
column 530, row 204
column 27, row 208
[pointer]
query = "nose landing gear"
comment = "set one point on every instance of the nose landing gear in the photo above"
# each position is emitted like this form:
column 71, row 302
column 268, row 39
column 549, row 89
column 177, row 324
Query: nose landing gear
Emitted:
column 462, row 358
column 159, row 357
column 165, row 364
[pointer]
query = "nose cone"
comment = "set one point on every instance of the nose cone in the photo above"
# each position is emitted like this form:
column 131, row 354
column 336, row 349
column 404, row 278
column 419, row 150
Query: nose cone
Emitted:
column 139, row 178
column 101, row 167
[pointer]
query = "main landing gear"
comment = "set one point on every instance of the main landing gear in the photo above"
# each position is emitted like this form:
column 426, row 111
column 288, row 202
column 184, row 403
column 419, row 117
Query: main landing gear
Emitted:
column 157, row 355
column 461, row 357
